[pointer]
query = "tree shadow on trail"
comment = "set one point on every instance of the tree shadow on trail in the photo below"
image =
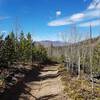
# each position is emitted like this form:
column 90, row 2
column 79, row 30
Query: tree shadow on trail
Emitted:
column 32, row 75
column 14, row 92
column 20, row 89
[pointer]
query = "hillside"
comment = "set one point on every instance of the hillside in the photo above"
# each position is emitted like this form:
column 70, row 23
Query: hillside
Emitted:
column 47, row 43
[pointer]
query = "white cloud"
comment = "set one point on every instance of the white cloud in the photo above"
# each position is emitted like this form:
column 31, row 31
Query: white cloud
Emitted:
column 67, row 21
column 3, row 32
column 77, row 17
column 92, row 12
column 3, row 17
column 94, row 5
column 92, row 23
column 58, row 13
column 60, row 22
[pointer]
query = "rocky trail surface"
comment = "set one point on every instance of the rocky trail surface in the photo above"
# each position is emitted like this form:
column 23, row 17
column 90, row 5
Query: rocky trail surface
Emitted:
column 49, row 87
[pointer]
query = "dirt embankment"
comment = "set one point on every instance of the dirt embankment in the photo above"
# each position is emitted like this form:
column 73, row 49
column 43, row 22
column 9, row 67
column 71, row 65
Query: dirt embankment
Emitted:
column 38, row 84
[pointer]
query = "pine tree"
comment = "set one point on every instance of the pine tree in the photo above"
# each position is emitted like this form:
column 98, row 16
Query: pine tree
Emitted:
column 22, row 46
column 8, row 51
column 2, row 62
column 28, row 48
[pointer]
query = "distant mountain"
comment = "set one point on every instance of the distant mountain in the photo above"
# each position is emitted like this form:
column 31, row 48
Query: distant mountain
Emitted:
column 48, row 43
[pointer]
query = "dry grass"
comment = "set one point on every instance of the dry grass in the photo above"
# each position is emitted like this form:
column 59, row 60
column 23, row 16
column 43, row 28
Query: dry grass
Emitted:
column 78, row 89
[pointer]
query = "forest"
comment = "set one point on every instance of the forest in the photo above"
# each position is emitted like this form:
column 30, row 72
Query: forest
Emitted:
column 17, row 51
column 78, row 61
column 52, row 52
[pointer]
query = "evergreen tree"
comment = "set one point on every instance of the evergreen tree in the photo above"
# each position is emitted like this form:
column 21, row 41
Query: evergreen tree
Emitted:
column 39, row 54
column 22, row 46
column 8, row 51
column 42, row 54
column 1, row 51
column 28, row 48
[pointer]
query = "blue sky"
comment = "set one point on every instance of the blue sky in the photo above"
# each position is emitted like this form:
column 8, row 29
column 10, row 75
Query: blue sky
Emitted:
column 46, row 19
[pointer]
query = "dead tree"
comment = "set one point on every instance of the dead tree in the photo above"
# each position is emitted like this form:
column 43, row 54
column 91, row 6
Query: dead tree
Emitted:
column 91, row 57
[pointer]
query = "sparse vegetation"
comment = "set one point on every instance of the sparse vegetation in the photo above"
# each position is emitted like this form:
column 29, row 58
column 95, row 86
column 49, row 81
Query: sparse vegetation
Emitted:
column 78, row 89
column 68, row 59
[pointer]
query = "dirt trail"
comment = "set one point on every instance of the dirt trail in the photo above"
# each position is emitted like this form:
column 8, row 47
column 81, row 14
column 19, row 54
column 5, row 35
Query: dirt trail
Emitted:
column 49, row 87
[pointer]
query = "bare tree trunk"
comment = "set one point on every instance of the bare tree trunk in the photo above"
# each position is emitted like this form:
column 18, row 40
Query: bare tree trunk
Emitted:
column 79, row 63
column 91, row 71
